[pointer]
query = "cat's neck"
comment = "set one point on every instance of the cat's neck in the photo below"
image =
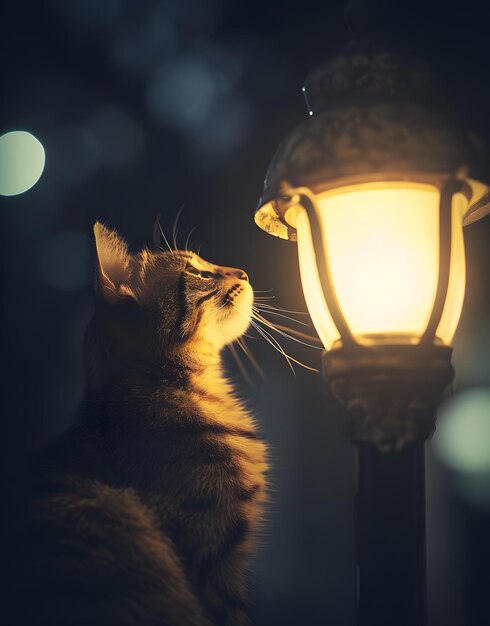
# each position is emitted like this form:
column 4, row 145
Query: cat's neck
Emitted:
column 189, row 375
column 216, row 397
column 199, row 373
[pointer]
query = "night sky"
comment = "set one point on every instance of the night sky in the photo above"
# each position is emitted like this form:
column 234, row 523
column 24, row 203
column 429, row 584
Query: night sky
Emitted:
column 144, row 107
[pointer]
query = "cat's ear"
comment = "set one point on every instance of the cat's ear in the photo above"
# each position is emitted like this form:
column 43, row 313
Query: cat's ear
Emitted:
column 115, row 265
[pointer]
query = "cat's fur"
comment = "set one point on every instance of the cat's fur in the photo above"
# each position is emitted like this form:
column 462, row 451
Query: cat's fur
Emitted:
column 145, row 512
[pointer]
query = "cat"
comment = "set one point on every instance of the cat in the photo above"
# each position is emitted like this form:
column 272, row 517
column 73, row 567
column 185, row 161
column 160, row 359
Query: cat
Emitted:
column 146, row 511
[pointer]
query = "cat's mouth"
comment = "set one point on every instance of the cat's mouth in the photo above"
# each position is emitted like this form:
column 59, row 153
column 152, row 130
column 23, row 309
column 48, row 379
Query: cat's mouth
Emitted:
column 236, row 305
column 233, row 295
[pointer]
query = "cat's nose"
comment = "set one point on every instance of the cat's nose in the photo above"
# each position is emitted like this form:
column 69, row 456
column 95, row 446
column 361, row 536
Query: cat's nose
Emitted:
column 243, row 275
column 235, row 273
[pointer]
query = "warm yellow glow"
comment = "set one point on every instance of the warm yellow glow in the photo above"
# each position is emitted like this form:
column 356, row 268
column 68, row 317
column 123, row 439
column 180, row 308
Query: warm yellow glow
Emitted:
column 457, row 274
column 310, row 280
column 382, row 242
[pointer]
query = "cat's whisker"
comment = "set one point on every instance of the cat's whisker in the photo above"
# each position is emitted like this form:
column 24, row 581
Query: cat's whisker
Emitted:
column 186, row 247
column 271, row 307
column 287, row 332
column 256, row 314
column 274, row 343
column 293, row 359
column 241, row 342
column 175, row 229
column 241, row 366
column 157, row 231
column 216, row 310
column 299, row 334
column 268, row 337
column 290, row 359
column 257, row 309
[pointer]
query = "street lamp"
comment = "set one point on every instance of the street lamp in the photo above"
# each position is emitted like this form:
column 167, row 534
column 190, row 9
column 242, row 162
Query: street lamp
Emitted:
column 375, row 187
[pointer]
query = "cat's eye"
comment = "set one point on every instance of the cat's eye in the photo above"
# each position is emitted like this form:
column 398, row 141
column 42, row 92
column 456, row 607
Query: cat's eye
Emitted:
column 190, row 269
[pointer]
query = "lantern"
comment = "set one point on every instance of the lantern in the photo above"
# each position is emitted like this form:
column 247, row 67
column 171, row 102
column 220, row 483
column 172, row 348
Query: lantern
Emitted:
column 375, row 187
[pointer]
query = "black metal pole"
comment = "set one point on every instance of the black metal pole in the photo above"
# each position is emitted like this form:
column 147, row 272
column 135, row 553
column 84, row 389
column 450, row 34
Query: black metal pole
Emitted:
column 390, row 530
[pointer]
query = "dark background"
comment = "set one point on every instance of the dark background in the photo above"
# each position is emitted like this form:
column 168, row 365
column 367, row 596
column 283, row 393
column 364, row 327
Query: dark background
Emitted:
column 146, row 106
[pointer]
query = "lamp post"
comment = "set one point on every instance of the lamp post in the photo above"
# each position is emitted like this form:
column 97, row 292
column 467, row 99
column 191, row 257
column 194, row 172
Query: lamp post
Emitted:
column 375, row 187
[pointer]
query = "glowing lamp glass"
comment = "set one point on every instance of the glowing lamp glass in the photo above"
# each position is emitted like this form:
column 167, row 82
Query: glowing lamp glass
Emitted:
column 382, row 246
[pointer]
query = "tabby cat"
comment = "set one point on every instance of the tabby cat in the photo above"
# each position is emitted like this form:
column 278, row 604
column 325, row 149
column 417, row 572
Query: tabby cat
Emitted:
column 145, row 512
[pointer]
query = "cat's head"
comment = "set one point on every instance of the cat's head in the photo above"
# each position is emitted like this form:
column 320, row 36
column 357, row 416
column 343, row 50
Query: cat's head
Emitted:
column 158, row 304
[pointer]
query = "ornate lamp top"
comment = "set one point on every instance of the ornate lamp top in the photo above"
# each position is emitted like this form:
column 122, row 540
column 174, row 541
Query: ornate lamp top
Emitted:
column 375, row 114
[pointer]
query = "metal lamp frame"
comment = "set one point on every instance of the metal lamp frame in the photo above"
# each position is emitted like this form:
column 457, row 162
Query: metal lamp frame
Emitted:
column 390, row 392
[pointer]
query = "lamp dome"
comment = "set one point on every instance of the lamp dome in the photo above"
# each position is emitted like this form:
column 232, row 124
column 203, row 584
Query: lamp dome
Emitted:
column 375, row 115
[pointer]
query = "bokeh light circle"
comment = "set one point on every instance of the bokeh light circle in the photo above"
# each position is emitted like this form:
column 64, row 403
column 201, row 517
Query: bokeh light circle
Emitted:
column 22, row 161
column 462, row 439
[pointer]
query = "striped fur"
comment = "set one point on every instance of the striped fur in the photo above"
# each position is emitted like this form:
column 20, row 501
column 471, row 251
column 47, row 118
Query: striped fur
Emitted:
column 146, row 511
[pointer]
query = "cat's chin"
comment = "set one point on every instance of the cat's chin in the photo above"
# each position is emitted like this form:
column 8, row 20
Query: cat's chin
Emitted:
column 234, row 320
column 237, row 325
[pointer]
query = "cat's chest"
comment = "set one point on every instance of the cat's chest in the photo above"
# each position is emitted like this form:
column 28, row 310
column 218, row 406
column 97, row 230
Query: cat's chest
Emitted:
column 240, row 481
column 236, row 428
column 216, row 483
